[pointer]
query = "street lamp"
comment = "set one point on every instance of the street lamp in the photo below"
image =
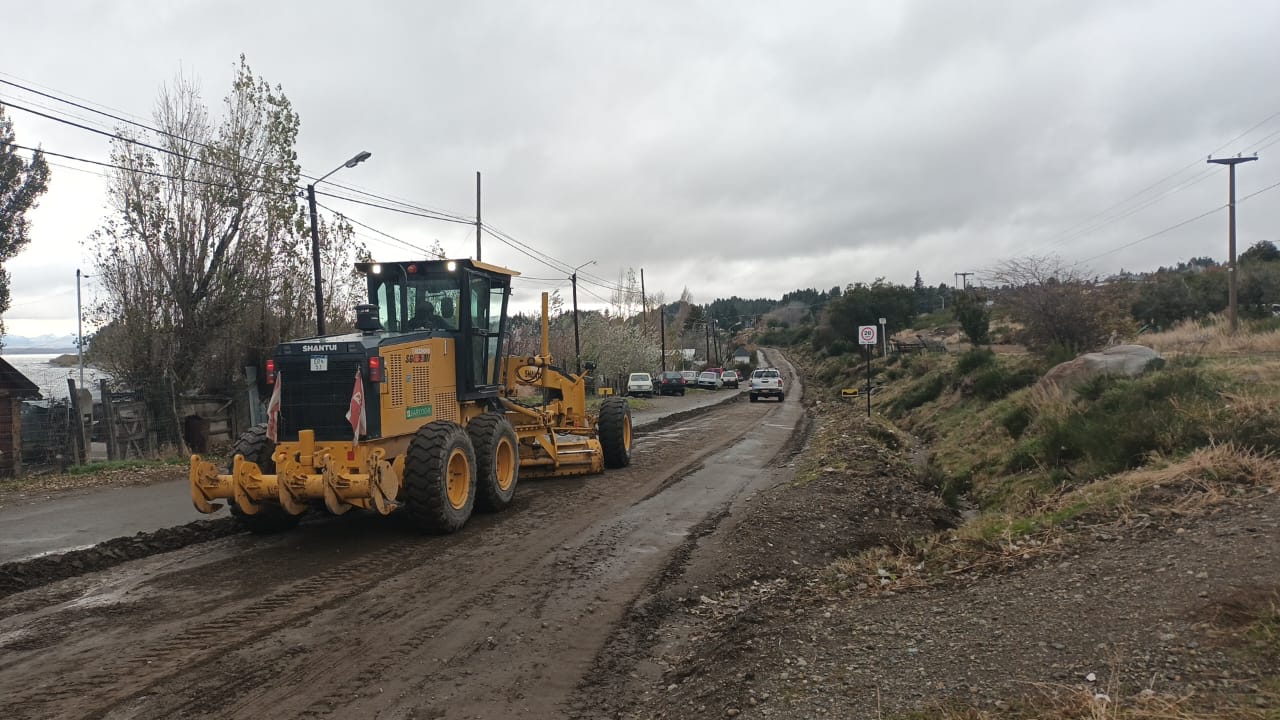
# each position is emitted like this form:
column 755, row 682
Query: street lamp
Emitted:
column 315, row 233
column 80, row 326
column 577, row 350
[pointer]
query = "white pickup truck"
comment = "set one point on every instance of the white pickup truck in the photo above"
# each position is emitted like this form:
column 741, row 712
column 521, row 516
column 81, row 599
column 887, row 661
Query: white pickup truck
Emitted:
column 766, row 382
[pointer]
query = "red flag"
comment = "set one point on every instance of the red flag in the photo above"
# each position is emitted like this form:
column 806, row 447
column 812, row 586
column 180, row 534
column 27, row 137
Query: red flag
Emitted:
column 273, row 411
column 355, row 414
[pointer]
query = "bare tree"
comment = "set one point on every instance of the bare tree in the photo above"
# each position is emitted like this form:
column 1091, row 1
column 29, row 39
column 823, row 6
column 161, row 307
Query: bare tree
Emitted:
column 205, row 239
column 1061, row 309
column 625, row 298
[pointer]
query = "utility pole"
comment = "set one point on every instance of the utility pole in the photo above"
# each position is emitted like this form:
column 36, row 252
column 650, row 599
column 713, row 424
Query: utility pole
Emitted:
column 662, row 334
column 964, row 279
column 707, row 327
column 715, row 341
column 644, row 304
column 577, row 349
column 79, row 327
column 480, row 228
column 1231, row 232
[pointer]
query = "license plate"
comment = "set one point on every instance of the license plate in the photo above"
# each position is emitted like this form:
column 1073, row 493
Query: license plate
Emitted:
column 319, row 363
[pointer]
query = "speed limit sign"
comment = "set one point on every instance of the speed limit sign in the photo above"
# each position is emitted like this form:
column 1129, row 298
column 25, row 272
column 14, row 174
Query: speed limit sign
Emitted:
column 866, row 334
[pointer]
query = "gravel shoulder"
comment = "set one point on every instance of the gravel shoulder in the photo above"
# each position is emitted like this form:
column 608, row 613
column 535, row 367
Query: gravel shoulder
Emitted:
column 1152, row 614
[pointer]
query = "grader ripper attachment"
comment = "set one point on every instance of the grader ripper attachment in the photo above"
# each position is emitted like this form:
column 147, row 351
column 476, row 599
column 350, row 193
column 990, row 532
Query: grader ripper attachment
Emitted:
column 419, row 410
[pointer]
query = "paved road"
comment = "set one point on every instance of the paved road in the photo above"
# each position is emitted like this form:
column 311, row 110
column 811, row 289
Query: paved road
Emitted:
column 79, row 519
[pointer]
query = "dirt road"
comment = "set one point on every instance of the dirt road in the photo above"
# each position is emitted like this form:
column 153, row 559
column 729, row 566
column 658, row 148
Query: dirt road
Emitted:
column 359, row 617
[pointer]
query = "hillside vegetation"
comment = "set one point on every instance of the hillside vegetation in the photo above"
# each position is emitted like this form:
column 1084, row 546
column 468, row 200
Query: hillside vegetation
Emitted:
column 1037, row 473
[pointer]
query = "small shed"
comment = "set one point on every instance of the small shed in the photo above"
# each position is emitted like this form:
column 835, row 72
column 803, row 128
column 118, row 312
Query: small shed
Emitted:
column 14, row 388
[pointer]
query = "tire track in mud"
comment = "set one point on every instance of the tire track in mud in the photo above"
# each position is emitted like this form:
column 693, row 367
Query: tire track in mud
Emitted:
column 547, row 569
column 169, row 654
column 243, row 689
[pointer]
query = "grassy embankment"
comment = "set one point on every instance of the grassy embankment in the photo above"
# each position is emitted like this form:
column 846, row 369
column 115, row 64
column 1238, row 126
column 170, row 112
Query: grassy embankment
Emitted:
column 1031, row 467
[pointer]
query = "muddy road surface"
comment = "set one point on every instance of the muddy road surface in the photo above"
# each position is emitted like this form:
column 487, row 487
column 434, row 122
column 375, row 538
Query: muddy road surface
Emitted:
column 360, row 617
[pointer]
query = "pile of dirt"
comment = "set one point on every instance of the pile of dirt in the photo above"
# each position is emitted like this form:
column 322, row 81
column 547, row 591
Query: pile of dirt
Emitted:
column 1152, row 614
column 25, row 574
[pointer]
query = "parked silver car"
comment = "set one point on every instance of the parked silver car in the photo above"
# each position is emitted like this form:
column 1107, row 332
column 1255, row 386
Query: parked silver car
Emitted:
column 709, row 380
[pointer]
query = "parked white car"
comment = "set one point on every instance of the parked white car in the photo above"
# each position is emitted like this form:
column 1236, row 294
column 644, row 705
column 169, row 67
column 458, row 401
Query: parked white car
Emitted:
column 709, row 380
column 640, row 384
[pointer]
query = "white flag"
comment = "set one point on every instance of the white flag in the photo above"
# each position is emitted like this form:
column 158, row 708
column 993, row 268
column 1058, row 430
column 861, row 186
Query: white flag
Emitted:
column 273, row 411
column 355, row 413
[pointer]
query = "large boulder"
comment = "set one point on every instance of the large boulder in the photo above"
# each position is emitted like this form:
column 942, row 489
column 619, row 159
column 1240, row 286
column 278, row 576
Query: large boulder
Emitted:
column 1122, row 360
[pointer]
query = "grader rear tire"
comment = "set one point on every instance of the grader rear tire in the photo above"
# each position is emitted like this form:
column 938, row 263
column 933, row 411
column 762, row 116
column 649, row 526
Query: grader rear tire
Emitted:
column 257, row 448
column 615, row 432
column 497, row 461
column 440, row 478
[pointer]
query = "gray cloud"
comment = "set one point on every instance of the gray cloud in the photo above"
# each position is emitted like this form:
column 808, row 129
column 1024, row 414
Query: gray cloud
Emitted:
column 740, row 148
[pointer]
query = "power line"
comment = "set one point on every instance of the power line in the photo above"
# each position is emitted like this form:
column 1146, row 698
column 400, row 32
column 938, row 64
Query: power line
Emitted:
column 553, row 262
column 415, row 213
column 427, row 212
column 103, row 113
column 1144, row 205
column 388, row 236
column 1148, row 237
column 152, row 173
column 451, row 216
column 1071, row 231
column 133, row 141
column 531, row 254
column 1259, row 192
column 1175, row 226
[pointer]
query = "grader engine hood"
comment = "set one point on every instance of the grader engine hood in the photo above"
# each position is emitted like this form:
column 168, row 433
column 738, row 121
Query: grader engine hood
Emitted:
column 317, row 381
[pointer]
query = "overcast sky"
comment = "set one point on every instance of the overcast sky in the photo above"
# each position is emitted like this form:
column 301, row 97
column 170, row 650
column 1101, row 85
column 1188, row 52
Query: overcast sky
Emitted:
column 733, row 148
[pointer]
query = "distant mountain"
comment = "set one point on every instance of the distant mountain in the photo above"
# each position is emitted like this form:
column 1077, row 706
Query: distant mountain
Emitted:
column 40, row 344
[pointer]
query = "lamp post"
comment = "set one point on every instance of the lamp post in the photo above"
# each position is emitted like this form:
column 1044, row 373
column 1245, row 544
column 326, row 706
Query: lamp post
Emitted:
column 577, row 349
column 79, row 327
column 315, row 233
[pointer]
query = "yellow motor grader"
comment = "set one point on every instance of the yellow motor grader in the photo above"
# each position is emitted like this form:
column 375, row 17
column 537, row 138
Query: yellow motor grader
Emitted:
column 419, row 410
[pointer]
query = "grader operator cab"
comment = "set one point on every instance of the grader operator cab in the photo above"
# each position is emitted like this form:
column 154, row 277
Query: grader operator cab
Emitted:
column 418, row 410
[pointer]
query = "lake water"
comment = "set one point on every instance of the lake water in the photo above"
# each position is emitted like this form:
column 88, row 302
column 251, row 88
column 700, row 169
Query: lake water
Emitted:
column 52, row 379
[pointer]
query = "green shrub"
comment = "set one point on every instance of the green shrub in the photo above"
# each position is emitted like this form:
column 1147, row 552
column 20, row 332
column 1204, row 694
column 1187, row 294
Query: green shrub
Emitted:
column 996, row 382
column 1119, row 422
column 974, row 359
column 840, row 347
column 949, row 488
column 1264, row 325
column 1016, row 420
column 926, row 389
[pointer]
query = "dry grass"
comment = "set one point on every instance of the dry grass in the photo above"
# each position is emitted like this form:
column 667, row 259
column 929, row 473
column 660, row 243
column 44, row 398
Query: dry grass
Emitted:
column 1192, row 338
column 992, row 543
column 1061, row 702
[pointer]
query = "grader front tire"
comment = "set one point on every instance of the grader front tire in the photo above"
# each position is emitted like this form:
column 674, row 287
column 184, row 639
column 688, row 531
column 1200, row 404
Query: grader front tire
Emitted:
column 257, row 448
column 497, row 461
column 615, row 432
column 440, row 478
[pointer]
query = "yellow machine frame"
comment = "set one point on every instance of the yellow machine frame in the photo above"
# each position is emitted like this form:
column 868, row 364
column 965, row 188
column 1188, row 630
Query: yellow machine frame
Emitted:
column 557, row 437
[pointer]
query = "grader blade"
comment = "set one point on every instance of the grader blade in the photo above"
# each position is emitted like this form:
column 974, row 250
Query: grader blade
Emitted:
column 567, row 455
